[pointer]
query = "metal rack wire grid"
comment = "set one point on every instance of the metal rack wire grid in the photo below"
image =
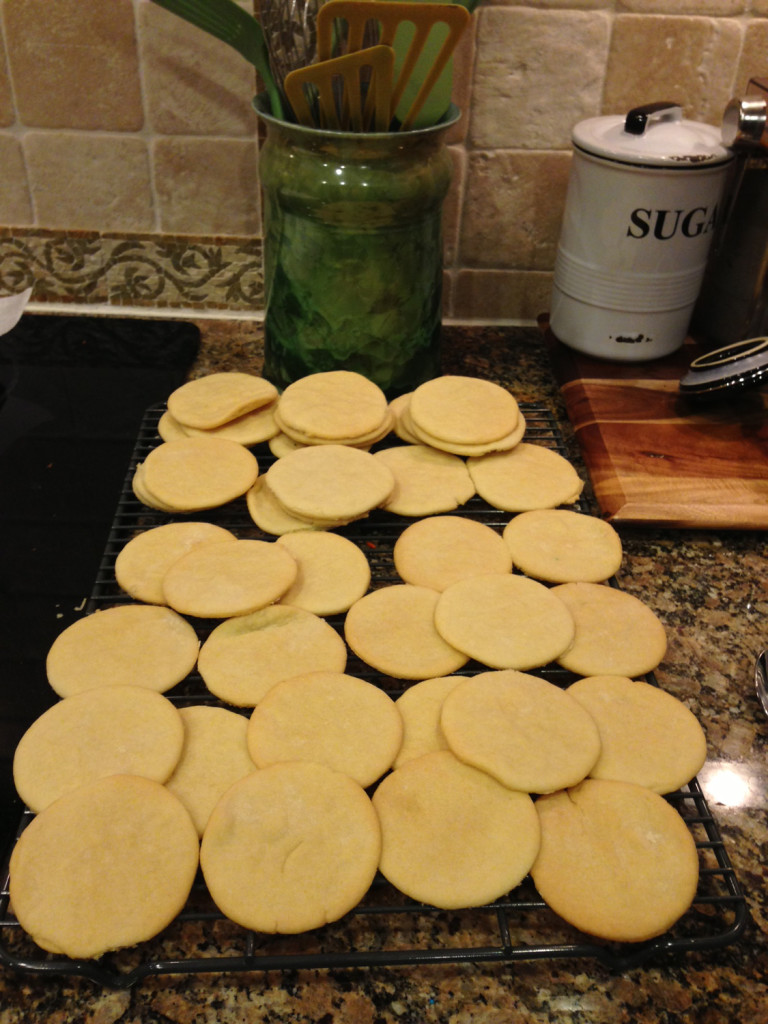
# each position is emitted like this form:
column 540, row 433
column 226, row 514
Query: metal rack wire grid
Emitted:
column 386, row 928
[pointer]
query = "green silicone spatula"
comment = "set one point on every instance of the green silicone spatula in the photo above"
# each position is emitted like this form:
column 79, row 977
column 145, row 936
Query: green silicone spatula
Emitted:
column 235, row 26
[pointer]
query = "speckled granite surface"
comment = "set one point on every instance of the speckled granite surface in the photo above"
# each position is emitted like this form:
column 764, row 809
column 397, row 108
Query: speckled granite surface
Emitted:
column 711, row 590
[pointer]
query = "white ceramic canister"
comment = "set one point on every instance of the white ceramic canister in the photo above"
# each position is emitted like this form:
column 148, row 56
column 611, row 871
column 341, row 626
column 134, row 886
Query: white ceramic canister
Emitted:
column 642, row 203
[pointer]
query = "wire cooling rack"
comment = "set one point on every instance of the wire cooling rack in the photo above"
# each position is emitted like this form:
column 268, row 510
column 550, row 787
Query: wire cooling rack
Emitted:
column 386, row 928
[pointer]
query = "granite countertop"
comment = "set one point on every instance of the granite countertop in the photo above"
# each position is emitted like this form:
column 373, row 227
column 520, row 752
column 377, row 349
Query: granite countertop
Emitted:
column 711, row 590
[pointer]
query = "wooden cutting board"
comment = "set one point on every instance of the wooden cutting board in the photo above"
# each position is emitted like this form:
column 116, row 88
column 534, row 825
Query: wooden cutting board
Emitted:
column 657, row 458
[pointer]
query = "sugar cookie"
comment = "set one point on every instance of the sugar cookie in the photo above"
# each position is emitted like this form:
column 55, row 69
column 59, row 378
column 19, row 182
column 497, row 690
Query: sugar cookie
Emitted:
column 526, row 477
column 440, row 550
column 526, row 732
column 214, row 757
column 332, row 482
column 615, row 632
column 217, row 398
column 244, row 657
column 290, row 848
column 142, row 857
column 135, row 644
column 333, row 406
column 392, row 629
column 647, row 736
column 333, row 572
column 110, row 730
column 218, row 580
column 452, row 836
column 504, row 621
column 196, row 473
column 420, row 707
column 616, row 860
column 332, row 718
column 426, row 481
column 463, row 410
column 143, row 562
column 562, row 546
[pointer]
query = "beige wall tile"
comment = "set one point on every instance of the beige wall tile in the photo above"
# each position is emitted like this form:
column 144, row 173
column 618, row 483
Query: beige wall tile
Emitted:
column 7, row 112
column 536, row 74
column 98, row 182
column 15, row 205
column 689, row 60
column 194, row 84
column 500, row 294
column 207, row 186
column 571, row 5
column 452, row 205
column 754, row 56
column 74, row 63
column 513, row 207
column 722, row 8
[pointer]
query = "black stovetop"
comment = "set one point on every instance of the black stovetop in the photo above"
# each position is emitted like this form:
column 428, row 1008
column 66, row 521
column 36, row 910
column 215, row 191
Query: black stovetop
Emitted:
column 73, row 392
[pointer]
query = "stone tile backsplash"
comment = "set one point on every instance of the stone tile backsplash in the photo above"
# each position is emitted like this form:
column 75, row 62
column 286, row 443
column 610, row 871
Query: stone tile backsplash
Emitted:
column 129, row 146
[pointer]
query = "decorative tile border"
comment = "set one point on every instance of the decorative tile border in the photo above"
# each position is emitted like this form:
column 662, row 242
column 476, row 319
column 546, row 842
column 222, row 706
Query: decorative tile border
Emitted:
column 154, row 271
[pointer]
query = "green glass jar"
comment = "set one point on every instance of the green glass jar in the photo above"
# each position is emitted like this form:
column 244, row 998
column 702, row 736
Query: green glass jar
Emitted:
column 353, row 251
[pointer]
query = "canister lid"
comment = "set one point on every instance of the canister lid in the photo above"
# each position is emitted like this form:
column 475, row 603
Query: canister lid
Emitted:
column 743, row 364
column 654, row 135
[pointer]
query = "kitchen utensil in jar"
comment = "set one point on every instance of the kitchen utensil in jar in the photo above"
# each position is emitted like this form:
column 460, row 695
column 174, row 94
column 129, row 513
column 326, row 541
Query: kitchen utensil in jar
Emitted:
column 236, row 27
column 642, row 205
column 290, row 30
column 349, row 20
column 351, row 92
column 761, row 679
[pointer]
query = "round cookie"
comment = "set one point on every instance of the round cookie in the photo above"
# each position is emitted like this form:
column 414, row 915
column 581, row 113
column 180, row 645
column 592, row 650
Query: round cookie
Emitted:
column 196, row 473
column 398, row 407
column 218, row 580
column 333, row 572
column 463, row 410
column 135, row 644
column 170, row 429
column 143, row 562
column 270, row 516
column 426, row 481
column 142, row 857
column 510, row 440
column 332, row 406
column 214, row 757
column 527, row 476
column 329, row 717
column 392, row 630
column 245, row 656
column 420, row 707
column 110, row 730
column 452, row 836
column 249, row 429
column 365, row 440
column 562, row 546
column 441, row 550
column 504, row 621
column 647, row 736
column 615, row 633
column 207, row 402
column 524, row 731
column 330, row 482
column 281, row 445
column 290, row 848
column 616, row 860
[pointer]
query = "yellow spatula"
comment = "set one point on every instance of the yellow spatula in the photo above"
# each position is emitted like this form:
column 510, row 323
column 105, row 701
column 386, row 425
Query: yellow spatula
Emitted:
column 351, row 92
column 348, row 19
